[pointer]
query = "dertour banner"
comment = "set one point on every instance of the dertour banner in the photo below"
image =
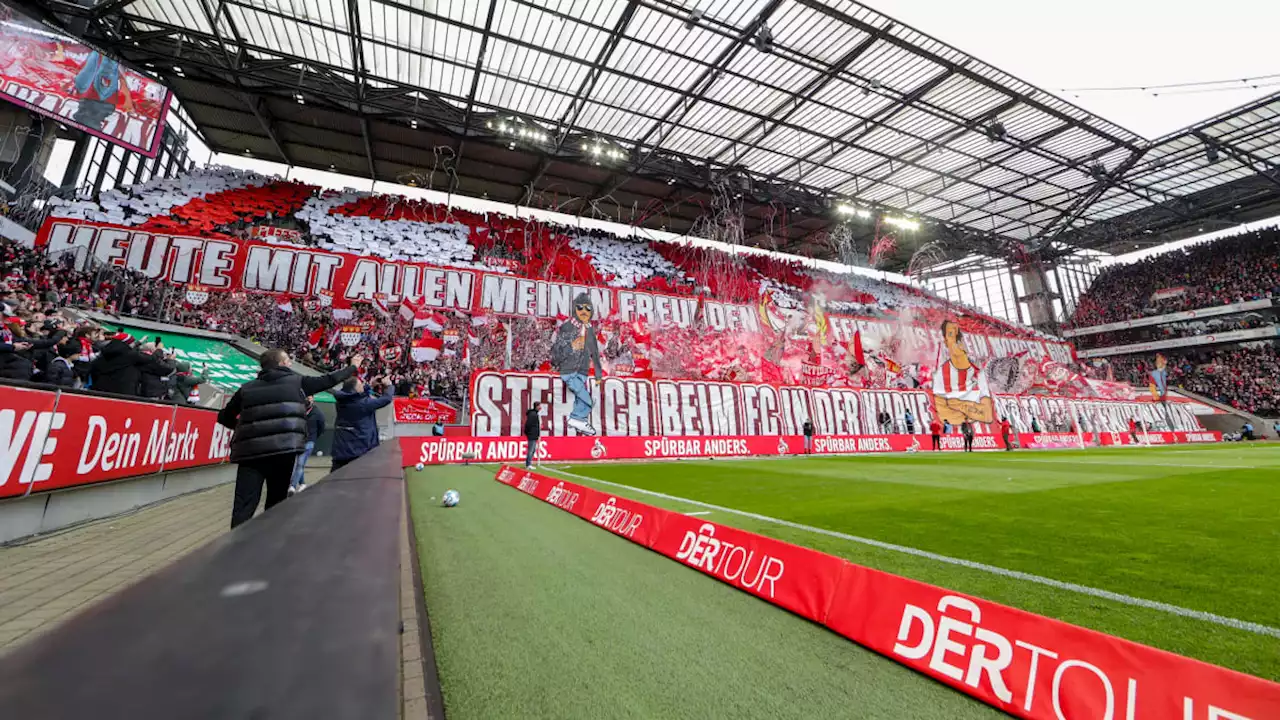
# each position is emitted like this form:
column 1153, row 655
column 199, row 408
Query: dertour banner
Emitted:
column 638, row 407
column 1024, row 664
column 284, row 269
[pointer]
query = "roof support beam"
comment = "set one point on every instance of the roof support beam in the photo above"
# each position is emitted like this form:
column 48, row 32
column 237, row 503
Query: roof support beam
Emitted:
column 580, row 98
column 1267, row 171
column 475, row 79
column 255, row 103
column 357, row 66
column 811, row 88
column 1064, row 221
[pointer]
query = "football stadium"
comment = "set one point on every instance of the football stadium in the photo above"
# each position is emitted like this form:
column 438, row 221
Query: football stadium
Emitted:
column 638, row 359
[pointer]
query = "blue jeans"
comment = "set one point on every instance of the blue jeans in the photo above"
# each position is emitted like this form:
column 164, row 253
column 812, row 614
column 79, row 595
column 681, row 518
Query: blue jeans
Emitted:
column 533, row 450
column 300, row 465
column 582, row 402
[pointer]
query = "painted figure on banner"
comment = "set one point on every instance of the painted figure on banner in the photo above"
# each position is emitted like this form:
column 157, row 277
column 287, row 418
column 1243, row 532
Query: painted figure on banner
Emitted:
column 960, row 389
column 575, row 354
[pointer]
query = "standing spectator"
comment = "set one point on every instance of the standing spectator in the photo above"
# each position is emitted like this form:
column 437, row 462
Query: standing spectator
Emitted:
column 935, row 431
column 884, row 419
column 1004, row 432
column 269, row 416
column 808, row 436
column 1133, row 429
column 185, row 384
column 61, row 370
column 911, row 422
column 355, row 429
column 315, row 426
column 966, row 429
column 532, row 431
column 15, row 363
column 153, row 381
column 946, row 427
column 118, row 368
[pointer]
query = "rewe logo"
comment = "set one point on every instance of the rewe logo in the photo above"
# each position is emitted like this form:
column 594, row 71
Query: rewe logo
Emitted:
column 31, row 430
column 729, row 562
column 528, row 484
column 504, row 475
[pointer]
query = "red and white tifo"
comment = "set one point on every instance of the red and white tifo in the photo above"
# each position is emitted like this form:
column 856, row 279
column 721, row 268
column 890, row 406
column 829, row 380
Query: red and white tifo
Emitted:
column 1024, row 664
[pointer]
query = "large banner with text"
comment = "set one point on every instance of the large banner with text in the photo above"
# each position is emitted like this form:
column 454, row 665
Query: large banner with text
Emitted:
column 638, row 407
column 52, row 440
column 1027, row 665
column 635, row 331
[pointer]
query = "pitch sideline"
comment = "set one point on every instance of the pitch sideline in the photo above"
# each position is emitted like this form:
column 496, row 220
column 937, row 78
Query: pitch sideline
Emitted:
column 1245, row 625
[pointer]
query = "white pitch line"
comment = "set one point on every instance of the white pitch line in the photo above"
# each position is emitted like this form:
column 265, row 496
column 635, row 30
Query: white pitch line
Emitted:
column 703, row 512
column 1245, row 625
column 1144, row 463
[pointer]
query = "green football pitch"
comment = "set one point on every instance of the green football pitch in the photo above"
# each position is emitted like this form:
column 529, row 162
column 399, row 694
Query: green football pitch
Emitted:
column 535, row 613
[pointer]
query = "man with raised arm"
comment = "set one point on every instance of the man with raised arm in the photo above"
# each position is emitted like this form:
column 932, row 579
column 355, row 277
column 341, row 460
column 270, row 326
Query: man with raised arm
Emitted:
column 269, row 417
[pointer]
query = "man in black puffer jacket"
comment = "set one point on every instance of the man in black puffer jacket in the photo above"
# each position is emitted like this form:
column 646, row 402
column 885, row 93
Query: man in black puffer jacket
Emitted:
column 152, row 380
column 118, row 368
column 269, row 416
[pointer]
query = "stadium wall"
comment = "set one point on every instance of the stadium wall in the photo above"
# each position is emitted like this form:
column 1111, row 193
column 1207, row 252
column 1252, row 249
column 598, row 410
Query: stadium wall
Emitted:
column 70, row 456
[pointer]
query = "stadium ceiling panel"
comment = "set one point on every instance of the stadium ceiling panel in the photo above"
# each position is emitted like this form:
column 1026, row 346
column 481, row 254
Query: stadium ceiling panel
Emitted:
column 793, row 104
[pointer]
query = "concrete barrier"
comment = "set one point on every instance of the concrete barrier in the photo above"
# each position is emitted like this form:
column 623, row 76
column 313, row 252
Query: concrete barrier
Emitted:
column 45, row 512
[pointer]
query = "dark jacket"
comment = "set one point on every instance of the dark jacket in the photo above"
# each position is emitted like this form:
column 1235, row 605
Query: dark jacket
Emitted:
column 315, row 423
column 16, row 365
column 152, row 380
column 966, row 428
column 118, row 368
column 269, row 415
column 61, row 372
column 807, row 429
column 568, row 361
column 184, row 381
column 532, row 423
column 355, row 429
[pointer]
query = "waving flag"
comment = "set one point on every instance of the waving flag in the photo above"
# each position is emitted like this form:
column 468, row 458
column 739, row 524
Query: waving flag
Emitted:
column 409, row 308
column 315, row 338
column 284, row 303
column 426, row 348
column 433, row 322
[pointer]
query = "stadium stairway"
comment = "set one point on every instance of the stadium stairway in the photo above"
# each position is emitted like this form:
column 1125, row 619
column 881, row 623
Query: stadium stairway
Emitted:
column 1233, row 420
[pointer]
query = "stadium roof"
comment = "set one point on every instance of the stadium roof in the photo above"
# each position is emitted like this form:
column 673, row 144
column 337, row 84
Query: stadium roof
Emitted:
column 653, row 112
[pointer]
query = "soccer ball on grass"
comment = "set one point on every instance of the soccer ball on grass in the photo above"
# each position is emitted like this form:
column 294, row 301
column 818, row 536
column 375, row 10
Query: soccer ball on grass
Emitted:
column 419, row 467
column 450, row 498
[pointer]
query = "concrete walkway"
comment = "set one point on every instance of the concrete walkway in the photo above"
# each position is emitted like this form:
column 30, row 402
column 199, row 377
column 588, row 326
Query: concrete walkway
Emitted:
column 47, row 580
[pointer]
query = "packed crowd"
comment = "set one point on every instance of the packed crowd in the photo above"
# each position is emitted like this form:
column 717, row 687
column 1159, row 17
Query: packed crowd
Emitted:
column 1245, row 376
column 40, row 343
column 1233, row 269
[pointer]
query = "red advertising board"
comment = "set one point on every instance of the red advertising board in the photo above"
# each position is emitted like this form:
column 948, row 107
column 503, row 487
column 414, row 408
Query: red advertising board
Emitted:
column 56, row 75
column 455, row 449
column 52, row 440
column 424, row 410
column 1027, row 665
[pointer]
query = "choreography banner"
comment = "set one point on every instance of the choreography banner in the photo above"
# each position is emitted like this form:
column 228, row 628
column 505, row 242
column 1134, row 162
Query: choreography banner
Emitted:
column 52, row 440
column 298, row 271
column 639, row 407
column 1027, row 665
column 56, row 75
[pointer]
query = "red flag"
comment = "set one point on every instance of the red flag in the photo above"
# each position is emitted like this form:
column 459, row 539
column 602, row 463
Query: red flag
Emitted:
column 284, row 303
column 858, row 355
column 409, row 308
column 433, row 322
column 426, row 348
column 315, row 338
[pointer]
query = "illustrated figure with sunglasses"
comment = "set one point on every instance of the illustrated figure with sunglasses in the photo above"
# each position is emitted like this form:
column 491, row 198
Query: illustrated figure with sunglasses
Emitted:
column 574, row 353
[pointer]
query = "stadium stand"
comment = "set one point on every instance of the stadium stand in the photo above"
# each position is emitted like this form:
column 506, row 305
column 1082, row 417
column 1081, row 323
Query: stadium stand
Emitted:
column 1242, row 376
column 1233, row 269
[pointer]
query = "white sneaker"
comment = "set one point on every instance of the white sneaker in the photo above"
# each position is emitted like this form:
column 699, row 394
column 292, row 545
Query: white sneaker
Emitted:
column 302, row 486
column 582, row 427
column 292, row 490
